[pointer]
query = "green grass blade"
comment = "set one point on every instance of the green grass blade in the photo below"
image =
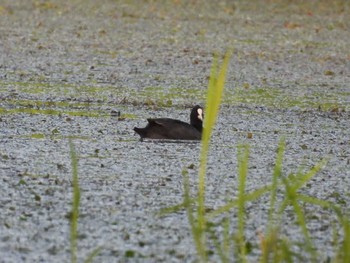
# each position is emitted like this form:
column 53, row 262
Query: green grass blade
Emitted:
column 243, row 159
column 345, row 248
column 214, row 95
column 227, row 238
column 92, row 255
column 302, row 223
column 233, row 203
column 276, row 174
column 286, row 253
column 222, row 249
column 173, row 209
column 315, row 201
column 292, row 199
column 310, row 174
column 196, row 232
column 75, row 204
column 271, row 235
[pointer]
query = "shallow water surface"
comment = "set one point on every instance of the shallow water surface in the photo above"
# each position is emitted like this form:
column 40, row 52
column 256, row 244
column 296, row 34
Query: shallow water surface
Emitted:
column 67, row 69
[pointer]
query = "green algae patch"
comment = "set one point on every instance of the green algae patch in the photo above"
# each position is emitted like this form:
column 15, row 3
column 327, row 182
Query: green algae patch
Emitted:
column 166, row 97
column 37, row 136
column 284, row 99
column 51, row 112
column 56, row 104
column 129, row 116
column 74, row 100
column 59, row 89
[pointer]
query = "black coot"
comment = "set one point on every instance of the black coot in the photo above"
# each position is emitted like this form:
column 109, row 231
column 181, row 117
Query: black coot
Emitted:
column 165, row 128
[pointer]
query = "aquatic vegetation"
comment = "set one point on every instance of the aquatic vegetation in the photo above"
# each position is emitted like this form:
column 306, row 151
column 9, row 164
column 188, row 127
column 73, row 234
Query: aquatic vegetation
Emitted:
column 230, row 241
column 76, row 100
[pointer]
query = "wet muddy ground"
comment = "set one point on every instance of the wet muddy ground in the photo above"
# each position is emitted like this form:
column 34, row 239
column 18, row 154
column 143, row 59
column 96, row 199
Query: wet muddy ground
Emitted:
column 66, row 67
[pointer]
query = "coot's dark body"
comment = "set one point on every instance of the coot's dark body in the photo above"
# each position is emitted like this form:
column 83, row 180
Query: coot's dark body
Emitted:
column 166, row 128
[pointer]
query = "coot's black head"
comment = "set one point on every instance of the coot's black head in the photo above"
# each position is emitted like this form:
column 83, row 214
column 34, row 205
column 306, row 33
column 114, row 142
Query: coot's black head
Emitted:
column 196, row 118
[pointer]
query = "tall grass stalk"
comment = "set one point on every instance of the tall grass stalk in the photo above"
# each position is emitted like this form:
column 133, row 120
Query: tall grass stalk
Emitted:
column 243, row 157
column 75, row 204
column 74, row 215
column 214, row 95
column 269, row 242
